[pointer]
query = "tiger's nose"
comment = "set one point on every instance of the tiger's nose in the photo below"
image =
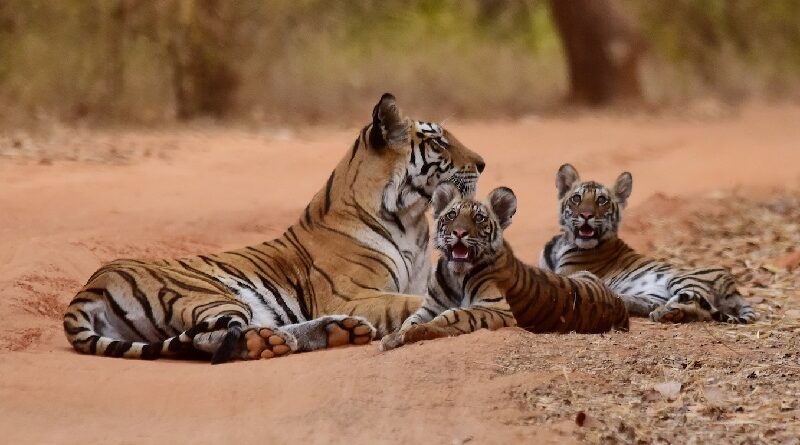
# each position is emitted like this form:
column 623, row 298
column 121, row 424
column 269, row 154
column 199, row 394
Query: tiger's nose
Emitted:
column 459, row 233
column 587, row 216
column 480, row 166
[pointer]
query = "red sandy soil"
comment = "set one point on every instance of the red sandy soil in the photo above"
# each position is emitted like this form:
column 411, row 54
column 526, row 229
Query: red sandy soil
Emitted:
column 179, row 192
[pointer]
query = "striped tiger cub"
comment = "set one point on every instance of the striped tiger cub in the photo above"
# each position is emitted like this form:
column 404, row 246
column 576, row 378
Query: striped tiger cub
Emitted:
column 351, row 268
column 479, row 283
column 589, row 219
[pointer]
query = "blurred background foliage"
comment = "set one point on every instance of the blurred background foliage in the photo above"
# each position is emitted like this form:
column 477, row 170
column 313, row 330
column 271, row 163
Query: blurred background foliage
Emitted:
column 150, row 61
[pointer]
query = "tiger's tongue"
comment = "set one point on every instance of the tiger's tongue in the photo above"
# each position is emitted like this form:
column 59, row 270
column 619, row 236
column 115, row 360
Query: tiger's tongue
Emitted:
column 586, row 230
column 460, row 251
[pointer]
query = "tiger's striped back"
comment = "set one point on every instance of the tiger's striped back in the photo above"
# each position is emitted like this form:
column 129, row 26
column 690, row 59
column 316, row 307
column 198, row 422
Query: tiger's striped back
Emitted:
column 544, row 301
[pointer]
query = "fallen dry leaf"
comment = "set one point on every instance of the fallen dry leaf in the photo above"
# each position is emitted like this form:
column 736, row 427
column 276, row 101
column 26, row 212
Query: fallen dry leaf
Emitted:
column 790, row 262
column 793, row 314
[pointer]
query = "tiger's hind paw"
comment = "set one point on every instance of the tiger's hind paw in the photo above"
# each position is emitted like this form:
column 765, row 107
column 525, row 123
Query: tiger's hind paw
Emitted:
column 666, row 314
column 349, row 330
column 265, row 343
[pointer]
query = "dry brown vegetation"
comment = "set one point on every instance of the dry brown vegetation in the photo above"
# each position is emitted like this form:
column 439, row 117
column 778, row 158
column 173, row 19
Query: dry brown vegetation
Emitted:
column 123, row 61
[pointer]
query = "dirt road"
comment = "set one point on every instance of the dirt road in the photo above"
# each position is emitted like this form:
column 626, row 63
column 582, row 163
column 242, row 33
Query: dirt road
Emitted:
column 189, row 191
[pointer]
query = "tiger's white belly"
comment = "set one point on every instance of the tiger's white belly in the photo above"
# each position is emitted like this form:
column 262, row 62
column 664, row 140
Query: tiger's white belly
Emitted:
column 263, row 314
column 651, row 284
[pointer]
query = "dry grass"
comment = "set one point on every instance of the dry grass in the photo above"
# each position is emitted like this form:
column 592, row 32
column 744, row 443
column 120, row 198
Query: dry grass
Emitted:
column 695, row 383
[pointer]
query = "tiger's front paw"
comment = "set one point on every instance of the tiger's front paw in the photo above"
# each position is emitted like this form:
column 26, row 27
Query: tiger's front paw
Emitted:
column 348, row 330
column 419, row 332
column 391, row 341
column 267, row 343
column 665, row 314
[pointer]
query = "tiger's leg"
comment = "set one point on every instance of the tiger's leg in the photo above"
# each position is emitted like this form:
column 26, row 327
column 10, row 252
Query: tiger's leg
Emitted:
column 733, row 308
column 331, row 331
column 130, row 307
column 640, row 306
column 685, row 307
column 453, row 322
column 431, row 307
column 385, row 311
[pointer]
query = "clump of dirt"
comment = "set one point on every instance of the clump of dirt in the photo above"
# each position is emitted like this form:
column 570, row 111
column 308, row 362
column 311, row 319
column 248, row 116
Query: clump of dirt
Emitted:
column 39, row 294
column 693, row 383
column 20, row 340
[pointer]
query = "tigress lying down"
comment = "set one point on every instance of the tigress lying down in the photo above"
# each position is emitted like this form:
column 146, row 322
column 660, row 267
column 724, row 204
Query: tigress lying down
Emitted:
column 589, row 219
column 479, row 283
column 342, row 274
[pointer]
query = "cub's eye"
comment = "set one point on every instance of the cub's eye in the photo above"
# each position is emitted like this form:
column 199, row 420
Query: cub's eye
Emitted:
column 576, row 198
column 602, row 200
column 479, row 218
column 451, row 215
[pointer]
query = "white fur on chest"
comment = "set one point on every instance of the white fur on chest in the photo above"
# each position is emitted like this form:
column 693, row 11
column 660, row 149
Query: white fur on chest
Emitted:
column 411, row 263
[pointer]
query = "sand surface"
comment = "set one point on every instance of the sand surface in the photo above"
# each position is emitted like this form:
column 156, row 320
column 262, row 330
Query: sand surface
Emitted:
column 186, row 191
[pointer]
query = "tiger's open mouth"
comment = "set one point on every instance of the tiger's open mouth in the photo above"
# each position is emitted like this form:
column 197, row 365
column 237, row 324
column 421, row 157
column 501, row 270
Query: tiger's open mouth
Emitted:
column 585, row 231
column 460, row 252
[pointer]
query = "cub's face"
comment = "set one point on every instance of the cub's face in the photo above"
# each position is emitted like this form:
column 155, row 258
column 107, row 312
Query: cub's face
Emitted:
column 470, row 232
column 590, row 212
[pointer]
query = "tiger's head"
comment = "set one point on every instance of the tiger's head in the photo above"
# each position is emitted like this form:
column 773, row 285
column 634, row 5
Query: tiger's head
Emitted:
column 590, row 211
column 416, row 156
column 469, row 232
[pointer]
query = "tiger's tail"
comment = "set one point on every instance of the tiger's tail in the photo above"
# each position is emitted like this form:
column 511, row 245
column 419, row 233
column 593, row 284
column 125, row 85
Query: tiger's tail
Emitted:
column 79, row 327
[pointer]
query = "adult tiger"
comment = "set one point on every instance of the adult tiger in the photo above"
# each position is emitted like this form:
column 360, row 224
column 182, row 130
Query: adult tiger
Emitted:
column 347, row 270
column 479, row 283
column 589, row 219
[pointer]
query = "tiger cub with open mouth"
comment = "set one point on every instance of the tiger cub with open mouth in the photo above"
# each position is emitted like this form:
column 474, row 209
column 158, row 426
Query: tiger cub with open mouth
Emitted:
column 590, row 214
column 479, row 283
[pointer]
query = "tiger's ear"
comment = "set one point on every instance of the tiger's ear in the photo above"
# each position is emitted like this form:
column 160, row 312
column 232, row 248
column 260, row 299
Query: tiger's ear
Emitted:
column 444, row 195
column 389, row 127
column 566, row 177
column 504, row 204
column 623, row 188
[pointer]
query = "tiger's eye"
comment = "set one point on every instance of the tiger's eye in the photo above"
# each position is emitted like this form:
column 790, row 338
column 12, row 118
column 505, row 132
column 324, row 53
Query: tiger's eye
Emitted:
column 602, row 200
column 451, row 215
column 576, row 199
column 479, row 218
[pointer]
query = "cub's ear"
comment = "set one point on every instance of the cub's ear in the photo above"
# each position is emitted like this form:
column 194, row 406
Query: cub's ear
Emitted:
column 566, row 177
column 623, row 188
column 444, row 194
column 504, row 204
column 389, row 127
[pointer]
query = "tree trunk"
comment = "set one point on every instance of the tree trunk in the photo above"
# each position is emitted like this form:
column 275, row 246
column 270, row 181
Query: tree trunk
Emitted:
column 603, row 49
column 204, row 79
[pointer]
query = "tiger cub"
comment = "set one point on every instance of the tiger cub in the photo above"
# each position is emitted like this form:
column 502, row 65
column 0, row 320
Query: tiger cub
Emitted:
column 589, row 219
column 479, row 283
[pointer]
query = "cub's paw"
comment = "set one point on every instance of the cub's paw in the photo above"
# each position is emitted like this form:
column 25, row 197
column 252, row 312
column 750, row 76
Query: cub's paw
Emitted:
column 419, row 332
column 263, row 343
column 666, row 314
column 391, row 341
column 348, row 330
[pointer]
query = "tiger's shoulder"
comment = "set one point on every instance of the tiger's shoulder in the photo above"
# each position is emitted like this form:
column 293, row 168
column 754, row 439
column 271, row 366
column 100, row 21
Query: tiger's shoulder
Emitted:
column 553, row 249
